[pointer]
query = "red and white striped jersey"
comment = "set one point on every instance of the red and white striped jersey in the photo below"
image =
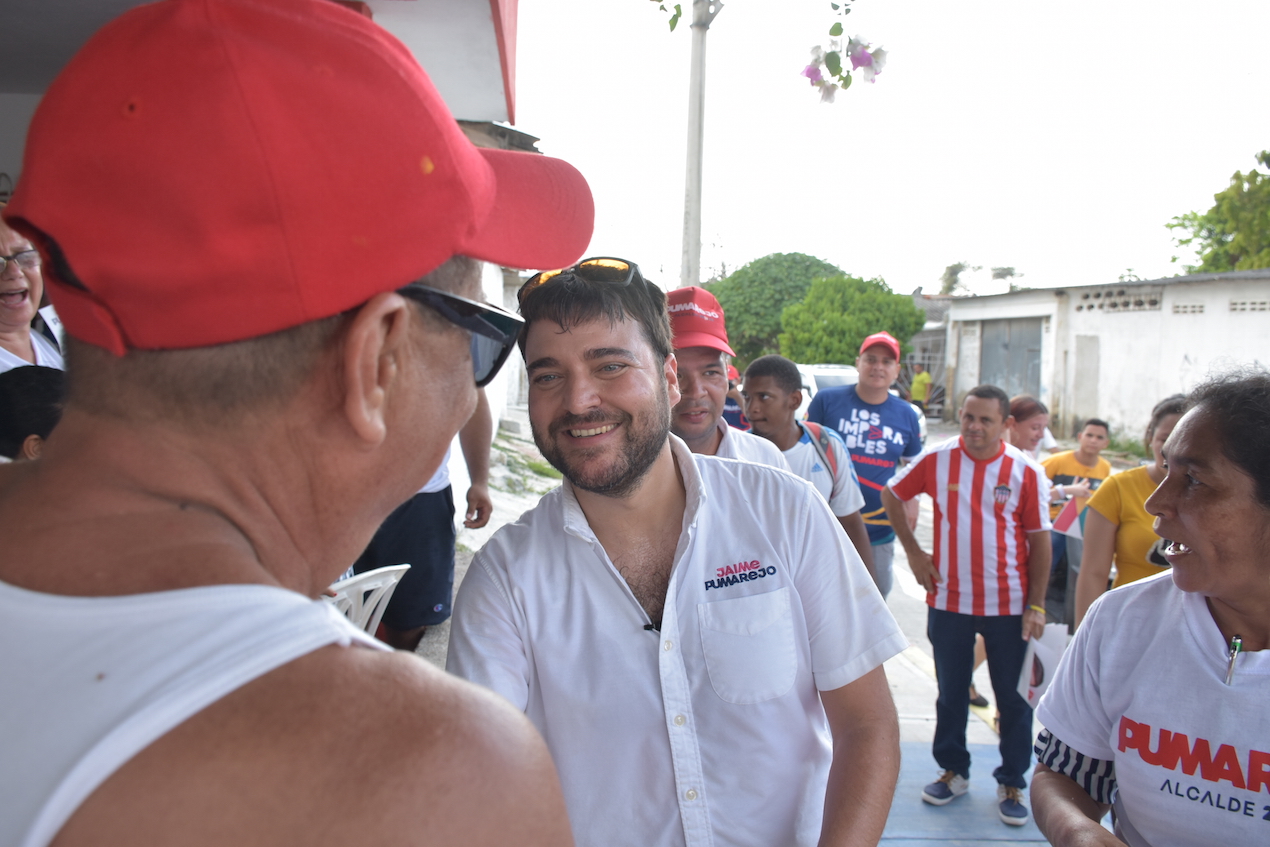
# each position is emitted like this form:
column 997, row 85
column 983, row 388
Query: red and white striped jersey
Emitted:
column 983, row 513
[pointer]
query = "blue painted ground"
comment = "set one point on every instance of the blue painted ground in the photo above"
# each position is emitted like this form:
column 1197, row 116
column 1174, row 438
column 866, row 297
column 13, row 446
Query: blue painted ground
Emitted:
column 969, row 820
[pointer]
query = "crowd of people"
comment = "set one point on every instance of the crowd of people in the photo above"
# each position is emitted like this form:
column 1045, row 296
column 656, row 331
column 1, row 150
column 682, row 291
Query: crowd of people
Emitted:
column 258, row 384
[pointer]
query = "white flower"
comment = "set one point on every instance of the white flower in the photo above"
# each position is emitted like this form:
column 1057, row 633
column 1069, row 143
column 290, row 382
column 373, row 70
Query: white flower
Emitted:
column 827, row 92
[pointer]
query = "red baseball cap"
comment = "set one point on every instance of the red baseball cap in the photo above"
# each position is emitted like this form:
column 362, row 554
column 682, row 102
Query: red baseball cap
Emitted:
column 205, row 171
column 696, row 319
column 885, row 339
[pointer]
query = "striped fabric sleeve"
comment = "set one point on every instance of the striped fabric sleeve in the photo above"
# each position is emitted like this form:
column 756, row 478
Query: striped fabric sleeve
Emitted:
column 1096, row 776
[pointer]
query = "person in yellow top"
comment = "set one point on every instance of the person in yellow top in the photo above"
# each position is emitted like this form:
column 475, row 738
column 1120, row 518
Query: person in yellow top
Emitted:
column 1073, row 475
column 1118, row 524
column 919, row 389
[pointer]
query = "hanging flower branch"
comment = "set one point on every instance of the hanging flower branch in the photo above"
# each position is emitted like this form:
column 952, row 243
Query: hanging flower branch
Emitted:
column 829, row 69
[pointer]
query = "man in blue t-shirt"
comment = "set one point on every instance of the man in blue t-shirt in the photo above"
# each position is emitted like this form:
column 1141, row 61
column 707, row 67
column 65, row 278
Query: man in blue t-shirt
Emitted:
column 881, row 431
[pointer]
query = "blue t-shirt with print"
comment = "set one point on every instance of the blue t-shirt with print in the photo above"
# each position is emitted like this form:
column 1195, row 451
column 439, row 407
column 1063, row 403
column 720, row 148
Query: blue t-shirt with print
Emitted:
column 877, row 436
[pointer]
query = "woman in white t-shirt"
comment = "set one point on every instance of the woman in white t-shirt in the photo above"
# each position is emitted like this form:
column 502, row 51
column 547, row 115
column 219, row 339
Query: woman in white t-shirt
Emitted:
column 1158, row 708
column 21, row 288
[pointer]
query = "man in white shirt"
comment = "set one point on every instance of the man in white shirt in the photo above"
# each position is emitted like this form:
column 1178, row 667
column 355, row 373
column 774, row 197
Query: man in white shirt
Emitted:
column 701, row 351
column 773, row 393
column 693, row 637
column 260, row 371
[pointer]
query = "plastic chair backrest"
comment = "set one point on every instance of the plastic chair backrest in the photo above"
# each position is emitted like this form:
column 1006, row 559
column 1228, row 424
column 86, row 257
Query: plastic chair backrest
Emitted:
column 363, row 598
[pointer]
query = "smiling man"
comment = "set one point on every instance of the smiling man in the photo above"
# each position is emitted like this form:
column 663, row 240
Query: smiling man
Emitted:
column 987, row 576
column 881, row 432
column 693, row 636
column 701, row 351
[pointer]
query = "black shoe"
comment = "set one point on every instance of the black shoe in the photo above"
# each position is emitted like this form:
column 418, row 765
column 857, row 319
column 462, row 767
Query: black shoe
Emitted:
column 977, row 699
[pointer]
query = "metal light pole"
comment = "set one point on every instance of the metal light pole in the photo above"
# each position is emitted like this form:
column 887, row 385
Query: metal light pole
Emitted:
column 703, row 12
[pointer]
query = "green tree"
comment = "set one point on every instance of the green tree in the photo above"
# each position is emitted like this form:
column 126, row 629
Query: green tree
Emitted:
column 950, row 281
column 753, row 296
column 839, row 313
column 1234, row 235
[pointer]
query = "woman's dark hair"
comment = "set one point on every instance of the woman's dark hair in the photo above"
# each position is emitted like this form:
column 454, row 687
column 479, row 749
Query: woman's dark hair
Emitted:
column 1026, row 406
column 30, row 404
column 1175, row 405
column 1236, row 408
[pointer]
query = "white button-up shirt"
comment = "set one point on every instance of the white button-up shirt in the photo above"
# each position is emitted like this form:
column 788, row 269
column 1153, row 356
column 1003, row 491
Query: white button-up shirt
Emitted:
column 748, row 447
column 710, row 731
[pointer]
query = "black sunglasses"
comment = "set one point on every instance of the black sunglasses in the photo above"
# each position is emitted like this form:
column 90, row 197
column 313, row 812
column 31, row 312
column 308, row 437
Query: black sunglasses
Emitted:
column 494, row 330
column 596, row 269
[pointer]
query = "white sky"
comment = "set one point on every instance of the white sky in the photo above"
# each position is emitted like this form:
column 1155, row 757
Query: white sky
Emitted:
column 1057, row 138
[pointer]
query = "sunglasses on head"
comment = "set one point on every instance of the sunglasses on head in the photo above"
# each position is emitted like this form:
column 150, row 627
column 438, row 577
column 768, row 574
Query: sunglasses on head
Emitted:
column 602, row 269
column 494, row 330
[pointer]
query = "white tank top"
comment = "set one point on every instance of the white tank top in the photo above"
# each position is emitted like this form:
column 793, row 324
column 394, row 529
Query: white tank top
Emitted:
column 88, row 682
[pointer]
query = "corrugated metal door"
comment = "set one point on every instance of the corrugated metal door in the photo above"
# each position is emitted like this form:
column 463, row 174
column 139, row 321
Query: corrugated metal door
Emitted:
column 1010, row 355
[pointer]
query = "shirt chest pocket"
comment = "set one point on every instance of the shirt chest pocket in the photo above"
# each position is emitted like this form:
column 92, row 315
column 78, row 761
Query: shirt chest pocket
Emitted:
column 749, row 646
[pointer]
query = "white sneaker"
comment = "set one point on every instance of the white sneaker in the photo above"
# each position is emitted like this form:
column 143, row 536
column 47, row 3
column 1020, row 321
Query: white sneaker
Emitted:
column 1010, row 807
column 946, row 789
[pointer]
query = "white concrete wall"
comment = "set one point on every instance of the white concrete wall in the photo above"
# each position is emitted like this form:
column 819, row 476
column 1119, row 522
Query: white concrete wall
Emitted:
column 1145, row 353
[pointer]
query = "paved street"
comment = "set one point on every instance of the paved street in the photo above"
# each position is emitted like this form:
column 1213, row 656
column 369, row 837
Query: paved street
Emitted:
column 969, row 820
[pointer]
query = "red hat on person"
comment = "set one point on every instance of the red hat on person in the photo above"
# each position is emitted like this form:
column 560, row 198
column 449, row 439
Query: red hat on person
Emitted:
column 885, row 339
column 733, row 374
column 696, row 319
column 206, row 171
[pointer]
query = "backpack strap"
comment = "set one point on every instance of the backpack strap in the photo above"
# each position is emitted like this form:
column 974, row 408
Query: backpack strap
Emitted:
column 820, row 440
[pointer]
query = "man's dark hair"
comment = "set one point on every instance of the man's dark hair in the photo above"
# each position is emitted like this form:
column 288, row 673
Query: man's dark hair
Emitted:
column 1236, row 407
column 778, row 368
column 1096, row 422
column 569, row 300
column 991, row 392
column 1174, row 405
column 30, row 404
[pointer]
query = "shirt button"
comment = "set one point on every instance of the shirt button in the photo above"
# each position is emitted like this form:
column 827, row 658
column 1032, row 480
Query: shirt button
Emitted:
column 690, row 794
column 680, row 720
column 667, row 645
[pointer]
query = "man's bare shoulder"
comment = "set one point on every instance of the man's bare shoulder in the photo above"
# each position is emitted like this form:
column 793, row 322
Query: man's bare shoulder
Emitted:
column 345, row 745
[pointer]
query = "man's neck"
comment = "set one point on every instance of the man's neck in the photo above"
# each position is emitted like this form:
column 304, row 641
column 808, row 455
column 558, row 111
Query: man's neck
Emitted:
column 789, row 436
column 659, row 496
column 872, row 396
column 1089, row 460
column 707, row 444
column 982, row 455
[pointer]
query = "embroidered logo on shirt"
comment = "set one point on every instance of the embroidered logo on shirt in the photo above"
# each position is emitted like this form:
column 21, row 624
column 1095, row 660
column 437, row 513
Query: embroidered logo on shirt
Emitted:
column 1001, row 493
column 738, row 573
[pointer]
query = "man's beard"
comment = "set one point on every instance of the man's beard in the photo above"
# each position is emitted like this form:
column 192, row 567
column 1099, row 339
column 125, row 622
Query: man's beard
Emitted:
column 645, row 436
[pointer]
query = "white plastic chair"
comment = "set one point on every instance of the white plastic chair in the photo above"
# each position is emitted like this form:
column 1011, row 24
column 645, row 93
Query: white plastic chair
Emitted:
column 363, row 598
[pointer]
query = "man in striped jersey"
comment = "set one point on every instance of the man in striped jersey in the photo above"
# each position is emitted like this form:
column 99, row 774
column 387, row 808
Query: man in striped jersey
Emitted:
column 987, row 574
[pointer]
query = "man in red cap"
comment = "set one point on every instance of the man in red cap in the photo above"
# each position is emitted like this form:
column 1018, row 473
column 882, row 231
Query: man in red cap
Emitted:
column 261, row 226
column 882, row 433
column 701, row 356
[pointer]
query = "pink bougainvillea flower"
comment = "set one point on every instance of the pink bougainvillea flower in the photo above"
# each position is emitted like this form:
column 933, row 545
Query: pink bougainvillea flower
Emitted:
column 879, row 62
column 812, row 72
column 861, row 58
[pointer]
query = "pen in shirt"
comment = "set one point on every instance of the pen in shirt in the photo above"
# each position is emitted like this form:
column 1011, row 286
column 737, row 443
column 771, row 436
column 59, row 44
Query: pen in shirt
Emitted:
column 1236, row 644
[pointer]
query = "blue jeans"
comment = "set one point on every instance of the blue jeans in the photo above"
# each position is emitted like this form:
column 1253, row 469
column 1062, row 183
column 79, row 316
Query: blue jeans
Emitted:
column 952, row 636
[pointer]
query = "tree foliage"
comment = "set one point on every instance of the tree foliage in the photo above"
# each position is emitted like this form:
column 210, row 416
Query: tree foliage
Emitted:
column 838, row 313
column 753, row 296
column 950, row 281
column 1234, row 235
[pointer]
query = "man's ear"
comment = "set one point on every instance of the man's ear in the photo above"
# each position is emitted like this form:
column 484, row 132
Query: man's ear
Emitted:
column 31, row 448
column 375, row 344
column 671, row 369
column 795, row 399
